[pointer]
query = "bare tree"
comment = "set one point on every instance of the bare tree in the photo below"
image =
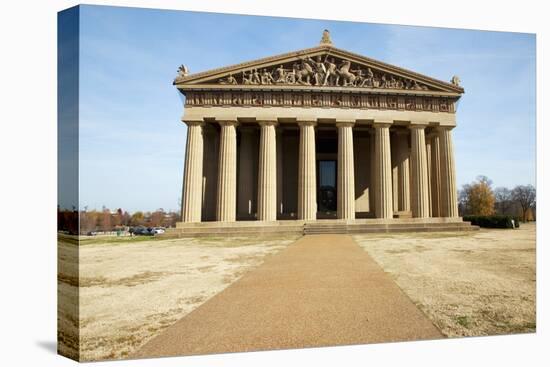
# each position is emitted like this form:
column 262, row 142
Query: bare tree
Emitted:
column 525, row 196
column 106, row 220
column 157, row 217
column 125, row 219
column 88, row 221
column 504, row 203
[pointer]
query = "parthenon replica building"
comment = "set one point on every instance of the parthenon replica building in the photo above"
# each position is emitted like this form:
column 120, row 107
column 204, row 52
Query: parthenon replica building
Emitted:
column 320, row 137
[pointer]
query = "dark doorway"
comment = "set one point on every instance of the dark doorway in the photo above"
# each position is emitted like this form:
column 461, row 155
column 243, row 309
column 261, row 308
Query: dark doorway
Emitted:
column 326, row 186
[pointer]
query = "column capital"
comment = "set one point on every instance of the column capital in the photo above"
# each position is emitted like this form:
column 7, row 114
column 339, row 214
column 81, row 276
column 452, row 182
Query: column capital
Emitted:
column 268, row 123
column 194, row 122
column 228, row 123
column 382, row 123
column 343, row 123
column 418, row 125
column 306, row 123
column 444, row 128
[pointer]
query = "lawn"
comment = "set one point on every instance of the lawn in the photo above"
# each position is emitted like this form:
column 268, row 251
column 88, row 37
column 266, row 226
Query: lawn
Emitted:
column 132, row 288
column 469, row 283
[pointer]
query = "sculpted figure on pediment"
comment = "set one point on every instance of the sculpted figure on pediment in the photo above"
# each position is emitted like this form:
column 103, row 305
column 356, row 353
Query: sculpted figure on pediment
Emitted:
column 266, row 77
column 247, row 78
column 359, row 77
column 255, row 78
column 292, row 76
column 280, row 74
column 331, row 75
column 319, row 69
column 304, row 73
column 368, row 81
column 383, row 82
column 328, row 72
column 347, row 77
column 229, row 80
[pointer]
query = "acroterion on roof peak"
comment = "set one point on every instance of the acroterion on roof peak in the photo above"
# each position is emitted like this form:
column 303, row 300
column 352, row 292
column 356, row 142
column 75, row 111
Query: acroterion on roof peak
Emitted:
column 325, row 39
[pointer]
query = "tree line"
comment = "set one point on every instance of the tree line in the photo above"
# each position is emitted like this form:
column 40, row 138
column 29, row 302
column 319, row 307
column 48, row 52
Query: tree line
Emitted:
column 479, row 198
column 107, row 220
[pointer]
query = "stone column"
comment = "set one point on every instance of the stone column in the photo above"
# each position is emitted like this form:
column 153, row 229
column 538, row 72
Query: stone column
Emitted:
column 429, row 169
column 383, row 184
column 372, row 173
column 403, row 185
column 449, row 202
column 267, row 173
column 227, row 173
column 246, row 181
column 419, row 167
column 280, row 187
column 346, row 172
column 192, row 180
column 394, row 171
column 307, row 184
column 435, row 177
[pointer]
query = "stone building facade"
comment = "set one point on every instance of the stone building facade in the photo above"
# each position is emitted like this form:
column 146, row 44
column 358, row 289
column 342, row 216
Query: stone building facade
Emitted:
column 320, row 133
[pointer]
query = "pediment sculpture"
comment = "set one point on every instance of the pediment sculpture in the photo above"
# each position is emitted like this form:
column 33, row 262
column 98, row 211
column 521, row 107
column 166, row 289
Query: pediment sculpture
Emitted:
column 322, row 72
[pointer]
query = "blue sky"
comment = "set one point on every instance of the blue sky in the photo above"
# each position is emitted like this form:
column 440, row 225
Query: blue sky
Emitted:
column 132, row 141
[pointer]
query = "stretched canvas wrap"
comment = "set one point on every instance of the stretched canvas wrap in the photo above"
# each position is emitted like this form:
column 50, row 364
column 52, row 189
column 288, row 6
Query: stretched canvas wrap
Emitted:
column 233, row 183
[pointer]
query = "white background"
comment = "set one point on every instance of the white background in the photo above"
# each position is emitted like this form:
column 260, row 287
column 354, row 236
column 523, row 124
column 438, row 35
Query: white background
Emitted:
column 28, row 181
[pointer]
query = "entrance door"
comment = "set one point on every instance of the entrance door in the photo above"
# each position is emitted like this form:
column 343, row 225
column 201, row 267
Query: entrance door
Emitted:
column 326, row 186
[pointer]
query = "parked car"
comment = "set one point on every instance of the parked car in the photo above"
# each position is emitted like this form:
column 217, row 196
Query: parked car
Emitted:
column 142, row 231
column 157, row 230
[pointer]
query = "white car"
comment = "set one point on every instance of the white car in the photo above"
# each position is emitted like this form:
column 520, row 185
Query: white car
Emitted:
column 157, row 230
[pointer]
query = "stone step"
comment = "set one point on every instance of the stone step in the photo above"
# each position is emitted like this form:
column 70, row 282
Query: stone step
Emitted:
column 244, row 229
column 288, row 229
column 353, row 227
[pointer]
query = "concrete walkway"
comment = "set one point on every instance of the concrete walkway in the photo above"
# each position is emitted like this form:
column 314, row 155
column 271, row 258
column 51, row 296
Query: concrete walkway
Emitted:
column 322, row 290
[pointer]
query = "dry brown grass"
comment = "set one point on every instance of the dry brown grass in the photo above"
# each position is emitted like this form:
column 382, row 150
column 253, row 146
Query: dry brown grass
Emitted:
column 132, row 290
column 468, row 284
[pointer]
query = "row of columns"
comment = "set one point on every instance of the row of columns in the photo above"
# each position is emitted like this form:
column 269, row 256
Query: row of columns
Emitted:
column 425, row 188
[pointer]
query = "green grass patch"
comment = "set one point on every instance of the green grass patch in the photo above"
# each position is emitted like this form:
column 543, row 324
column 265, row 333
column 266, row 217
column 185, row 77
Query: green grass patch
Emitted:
column 83, row 241
column 463, row 321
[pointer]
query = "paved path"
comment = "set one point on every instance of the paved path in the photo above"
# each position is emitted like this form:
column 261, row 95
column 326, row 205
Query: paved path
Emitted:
column 322, row 290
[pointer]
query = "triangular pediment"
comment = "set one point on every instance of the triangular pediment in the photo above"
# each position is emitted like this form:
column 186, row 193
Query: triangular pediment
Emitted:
column 323, row 67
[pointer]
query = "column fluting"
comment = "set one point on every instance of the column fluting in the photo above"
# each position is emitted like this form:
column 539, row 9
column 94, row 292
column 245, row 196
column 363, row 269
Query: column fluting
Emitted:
column 267, row 173
column 346, row 172
column 435, row 177
column 192, row 181
column 403, row 173
column 307, row 184
column 372, row 173
column 279, row 138
column 449, row 202
column 227, row 173
column 419, row 166
column 429, row 172
column 383, row 199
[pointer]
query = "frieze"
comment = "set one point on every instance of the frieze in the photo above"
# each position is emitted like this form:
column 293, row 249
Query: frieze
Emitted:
column 327, row 100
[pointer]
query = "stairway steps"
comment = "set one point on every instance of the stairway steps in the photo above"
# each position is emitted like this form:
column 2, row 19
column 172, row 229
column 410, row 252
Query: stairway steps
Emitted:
column 316, row 228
